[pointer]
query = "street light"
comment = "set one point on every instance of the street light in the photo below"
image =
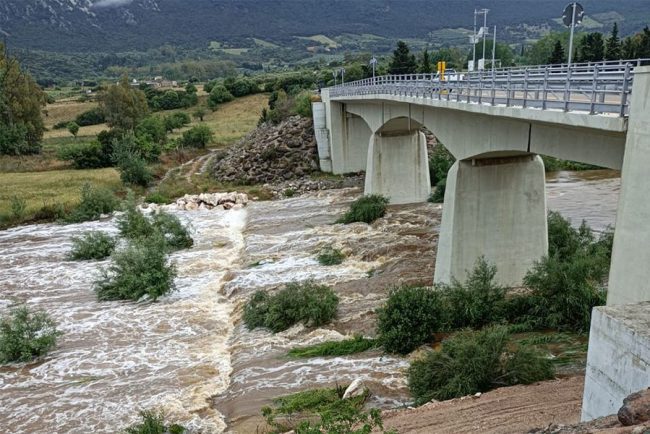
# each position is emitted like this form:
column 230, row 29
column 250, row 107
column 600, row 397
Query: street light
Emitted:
column 373, row 62
column 342, row 76
column 335, row 74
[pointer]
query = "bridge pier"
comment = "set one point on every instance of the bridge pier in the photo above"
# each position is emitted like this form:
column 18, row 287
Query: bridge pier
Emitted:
column 398, row 167
column 494, row 208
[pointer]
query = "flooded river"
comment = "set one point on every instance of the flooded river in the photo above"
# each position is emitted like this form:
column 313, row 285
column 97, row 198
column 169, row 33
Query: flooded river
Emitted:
column 189, row 353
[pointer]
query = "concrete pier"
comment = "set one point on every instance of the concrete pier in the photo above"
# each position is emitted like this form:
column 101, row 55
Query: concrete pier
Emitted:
column 494, row 208
column 398, row 167
column 628, row 277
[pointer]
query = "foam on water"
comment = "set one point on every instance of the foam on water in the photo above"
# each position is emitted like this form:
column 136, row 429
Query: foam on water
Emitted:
column 115, row 358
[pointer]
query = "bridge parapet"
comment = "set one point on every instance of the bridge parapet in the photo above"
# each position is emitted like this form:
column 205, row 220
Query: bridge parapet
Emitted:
column 595, row 88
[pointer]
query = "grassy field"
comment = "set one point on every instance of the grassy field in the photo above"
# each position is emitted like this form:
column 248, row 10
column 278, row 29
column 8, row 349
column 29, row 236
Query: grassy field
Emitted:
column 44, row 180
column 47, row 188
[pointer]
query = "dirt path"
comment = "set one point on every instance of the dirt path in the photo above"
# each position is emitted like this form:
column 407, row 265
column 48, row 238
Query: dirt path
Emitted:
column 515, row 409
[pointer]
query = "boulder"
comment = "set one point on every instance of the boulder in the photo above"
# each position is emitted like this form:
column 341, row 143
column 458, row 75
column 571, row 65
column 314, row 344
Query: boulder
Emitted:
column 635, row 409
column 356, row 388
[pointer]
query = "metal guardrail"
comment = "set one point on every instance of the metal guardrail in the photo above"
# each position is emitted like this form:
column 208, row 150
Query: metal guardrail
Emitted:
column 594, row 88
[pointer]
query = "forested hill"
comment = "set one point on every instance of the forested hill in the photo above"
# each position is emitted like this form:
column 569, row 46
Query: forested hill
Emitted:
column 123, row 25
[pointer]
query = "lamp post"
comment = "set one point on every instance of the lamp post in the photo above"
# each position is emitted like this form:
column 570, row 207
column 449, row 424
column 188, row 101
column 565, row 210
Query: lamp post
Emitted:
column 342, row 76
column 335, row 74
column 373, row 63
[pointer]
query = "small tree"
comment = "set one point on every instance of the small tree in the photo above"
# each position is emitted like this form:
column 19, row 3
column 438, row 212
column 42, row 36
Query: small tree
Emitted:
column 403, row 62
column 73, row 128
column 123, row 106
column 199, row 113
column 613, row 45
column 197, row 137
column 557, row 56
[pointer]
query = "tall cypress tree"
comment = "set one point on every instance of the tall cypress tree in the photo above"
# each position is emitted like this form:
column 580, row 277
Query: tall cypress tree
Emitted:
column 403, row 62
column 591, row 48
column 613, row 46
column 425, row 62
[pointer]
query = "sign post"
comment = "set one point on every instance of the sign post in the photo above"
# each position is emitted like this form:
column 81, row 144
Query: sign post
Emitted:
column 572, row 16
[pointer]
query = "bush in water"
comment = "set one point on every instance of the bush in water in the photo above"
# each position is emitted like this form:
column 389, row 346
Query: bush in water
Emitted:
column 26, row 335
column 140, row 269
column 305, row 302
column 92, row 245
column 366, row 209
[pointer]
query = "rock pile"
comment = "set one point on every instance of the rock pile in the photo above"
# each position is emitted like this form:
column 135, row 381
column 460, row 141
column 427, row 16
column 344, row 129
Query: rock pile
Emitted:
column 270, row 154
column 220, row 201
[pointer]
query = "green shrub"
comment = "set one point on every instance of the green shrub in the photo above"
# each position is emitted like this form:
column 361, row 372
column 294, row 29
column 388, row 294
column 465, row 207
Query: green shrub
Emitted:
column 302, row 105
column 140, row 269
column 440, row 162
column 85, row 155
column 18, row 208
column 152, row 128
column 26, row 335
column 366, row 209
column 475, row 361
column 330, row 256
column 134, row 171
column 91, row 117
column 157, row 198
column 176, row 120
column 357, row 344
column 219, row 95
column 476, row 302
column 92, row 245
column 438, row 194
column 170, row 227
column 569, row 282
column 154, row 423
column 73, row 128
column 409, row 318
column 132, row 224
column 51, row 212
column 94, row 202
column 335, row 415
column 306, row 302
column 197, row 137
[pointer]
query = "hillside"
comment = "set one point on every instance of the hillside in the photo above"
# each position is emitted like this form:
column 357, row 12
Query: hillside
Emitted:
column 125, row 25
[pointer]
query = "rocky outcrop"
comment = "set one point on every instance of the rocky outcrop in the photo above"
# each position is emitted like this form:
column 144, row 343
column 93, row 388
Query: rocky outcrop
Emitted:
column 220, row 201
column 270, row 154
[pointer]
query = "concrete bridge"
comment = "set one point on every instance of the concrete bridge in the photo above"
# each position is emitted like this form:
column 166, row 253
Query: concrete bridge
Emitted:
column 497, row 124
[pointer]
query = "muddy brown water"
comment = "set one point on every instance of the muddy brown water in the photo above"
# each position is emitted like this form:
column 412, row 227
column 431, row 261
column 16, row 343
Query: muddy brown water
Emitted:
column 189, row 353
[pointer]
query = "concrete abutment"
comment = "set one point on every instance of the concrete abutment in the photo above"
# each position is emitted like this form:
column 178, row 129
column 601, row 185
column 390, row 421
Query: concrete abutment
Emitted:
column 494, row 208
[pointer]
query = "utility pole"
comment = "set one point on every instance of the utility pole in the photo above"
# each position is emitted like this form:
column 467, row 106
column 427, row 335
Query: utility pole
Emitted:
column 485, row 12
column 474, row 42
column 494, row 45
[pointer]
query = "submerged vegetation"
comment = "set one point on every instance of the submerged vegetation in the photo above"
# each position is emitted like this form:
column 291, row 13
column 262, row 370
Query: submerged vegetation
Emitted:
column 154, row 423
column 330, row 256
column 26, row 335
column 357, row 344
column 366, row 209
column 92, row 245
column 299, row 302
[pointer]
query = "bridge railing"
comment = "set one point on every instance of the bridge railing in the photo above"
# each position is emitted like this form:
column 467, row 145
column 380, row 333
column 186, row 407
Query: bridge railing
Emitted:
column 595, row 88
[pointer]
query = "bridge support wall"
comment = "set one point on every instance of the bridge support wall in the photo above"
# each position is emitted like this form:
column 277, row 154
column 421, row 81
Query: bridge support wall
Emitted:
column 628, row 277
column 494, row 208
column 398, row 167
column 348, row 138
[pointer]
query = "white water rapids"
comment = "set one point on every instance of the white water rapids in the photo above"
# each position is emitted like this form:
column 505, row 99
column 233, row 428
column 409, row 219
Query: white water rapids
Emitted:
column 177, row 354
